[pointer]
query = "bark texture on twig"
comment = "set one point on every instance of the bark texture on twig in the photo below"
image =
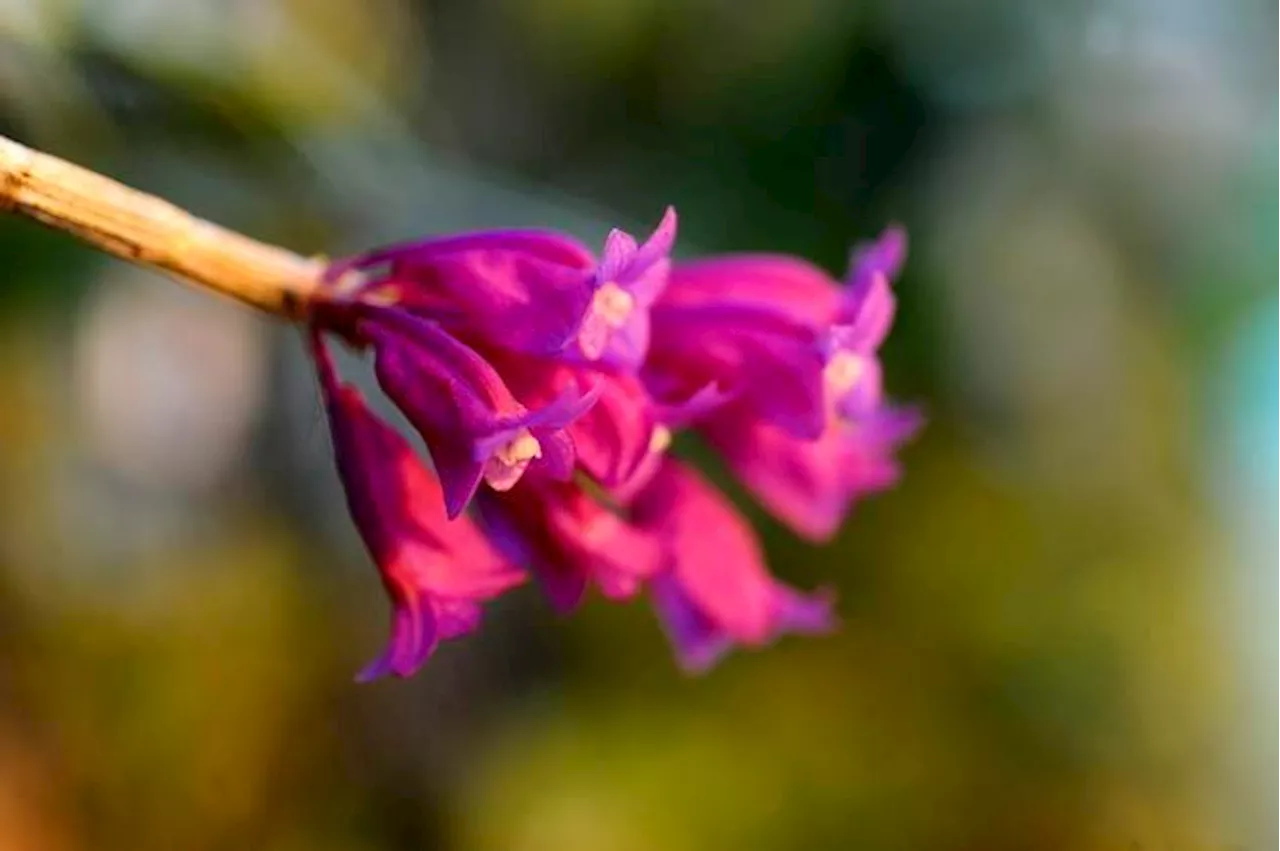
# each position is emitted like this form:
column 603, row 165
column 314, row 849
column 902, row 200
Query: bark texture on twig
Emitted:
column 151, row 232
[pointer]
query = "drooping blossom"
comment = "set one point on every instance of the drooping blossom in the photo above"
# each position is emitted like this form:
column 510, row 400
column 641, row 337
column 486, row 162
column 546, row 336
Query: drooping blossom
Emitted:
column 622, row 436
column 473, row 425
column 863, row 318
column 810, row 481
column 529, row 291
column 714, row 590
column 437, row 572
column 810, row 485
column 524, row 290
column 570, row 540
column 629, row 279
column 548, row 384
column 770, row 363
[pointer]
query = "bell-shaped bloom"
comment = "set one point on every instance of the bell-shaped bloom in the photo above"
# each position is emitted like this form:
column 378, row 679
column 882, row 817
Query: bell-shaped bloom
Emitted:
column 811, row 485
column 790, row 285
column 526, row 290
column 548, row 383
column 570, row 541
column 863, row 318
column 473, row 426
column 714, row 590
column 621, row 437
column 778, row 282
column 620, row 432
column 809, row 480
column 530, row 291
column 629, row 279
column 436, row 572
column 612, row 437
column 767, row 361
column 800, row 347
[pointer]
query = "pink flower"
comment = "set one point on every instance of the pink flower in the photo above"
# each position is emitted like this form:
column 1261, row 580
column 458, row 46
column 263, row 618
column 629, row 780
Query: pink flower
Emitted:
column 548, row 387
column 810, row 477
column 714, row 590
column 473, row 425
column 436, row 572
column 570, row 540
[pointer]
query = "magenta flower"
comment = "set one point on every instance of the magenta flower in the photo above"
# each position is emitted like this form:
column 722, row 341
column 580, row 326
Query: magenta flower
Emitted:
column 615, row 439
column 776, row 282
column 715, row 590
column 612, row 438
column 523, row 290
column 474, row 427
column 558, row 382
column 810, row 485
column 629, row 279
column 810, row 480
column 767, row 361
column 863, row 318
column 621, row 437
column 530, row 291
column 436, row 572
column 570, row 541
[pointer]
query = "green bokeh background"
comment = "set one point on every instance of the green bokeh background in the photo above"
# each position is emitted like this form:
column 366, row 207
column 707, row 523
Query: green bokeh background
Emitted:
column 1057, row 630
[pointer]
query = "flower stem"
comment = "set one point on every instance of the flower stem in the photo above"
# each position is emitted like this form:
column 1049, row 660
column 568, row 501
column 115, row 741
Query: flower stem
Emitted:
column 151, row 232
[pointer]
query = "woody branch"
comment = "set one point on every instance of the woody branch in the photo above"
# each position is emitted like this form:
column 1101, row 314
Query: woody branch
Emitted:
column 151, row 232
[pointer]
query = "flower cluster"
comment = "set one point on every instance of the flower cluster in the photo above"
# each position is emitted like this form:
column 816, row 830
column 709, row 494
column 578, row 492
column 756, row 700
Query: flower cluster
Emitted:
column 547, row 383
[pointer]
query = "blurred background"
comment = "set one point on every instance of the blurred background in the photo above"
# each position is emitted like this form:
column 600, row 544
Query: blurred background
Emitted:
column 1058, row 629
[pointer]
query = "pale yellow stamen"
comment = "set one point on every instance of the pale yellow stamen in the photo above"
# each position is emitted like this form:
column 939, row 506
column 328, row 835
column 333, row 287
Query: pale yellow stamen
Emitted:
column 613, row 304
column 611, row 307
column 843, row 371
column 660, row 440
column 509, row 461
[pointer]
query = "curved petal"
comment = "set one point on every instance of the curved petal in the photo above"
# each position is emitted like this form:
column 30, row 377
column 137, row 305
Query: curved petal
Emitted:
column 716, row 590
column 789, row 285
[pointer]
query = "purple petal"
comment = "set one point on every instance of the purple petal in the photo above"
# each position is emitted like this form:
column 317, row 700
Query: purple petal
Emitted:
column 701, row 402
column 619, row 251
column 884, row 256
column 427, row 564
column 805, row 614
column 713, row 551
column 545, row 245
column 651, row 263
column 868, row 314
column 697, row 641
column 627, row 346
column 866, row 396
column 562, row 582
column 717, row 589
column 779, row 282
column 413, row 638
column 472, row 424
column 771, row 363
column 571, row 540
column 525, row 291
column 456, row 617
column 613, row 438
column 810, row 485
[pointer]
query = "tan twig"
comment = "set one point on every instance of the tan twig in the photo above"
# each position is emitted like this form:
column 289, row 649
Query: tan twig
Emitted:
column 146, row 230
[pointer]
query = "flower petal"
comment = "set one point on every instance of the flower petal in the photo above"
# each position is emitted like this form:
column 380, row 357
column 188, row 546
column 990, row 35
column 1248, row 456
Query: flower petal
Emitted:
column 810, row 485
column 571, row 540
column 768, row 361
column 779, row 282
column 716, row 588
column 523, row 290
column 425, row 562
